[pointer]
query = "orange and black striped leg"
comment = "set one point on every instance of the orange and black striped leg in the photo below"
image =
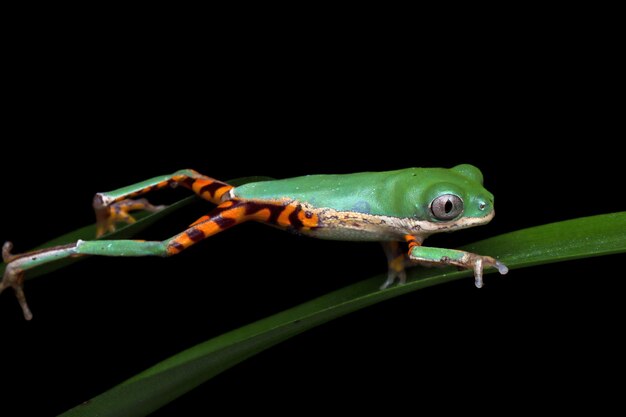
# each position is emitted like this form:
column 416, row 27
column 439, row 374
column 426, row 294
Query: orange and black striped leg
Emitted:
column 412, row 241
column 226, row 215
column 233, row 212
column 114, row 206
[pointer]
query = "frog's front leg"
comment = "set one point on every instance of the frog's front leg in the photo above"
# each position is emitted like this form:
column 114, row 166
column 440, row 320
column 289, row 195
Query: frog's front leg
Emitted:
column 397, row 261
column 439, row 256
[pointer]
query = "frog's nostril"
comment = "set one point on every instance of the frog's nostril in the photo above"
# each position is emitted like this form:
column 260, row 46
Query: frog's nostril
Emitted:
column 482, row 205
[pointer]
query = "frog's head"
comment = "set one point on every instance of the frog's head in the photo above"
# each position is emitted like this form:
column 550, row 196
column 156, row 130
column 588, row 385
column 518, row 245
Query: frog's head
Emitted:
column 454, row 199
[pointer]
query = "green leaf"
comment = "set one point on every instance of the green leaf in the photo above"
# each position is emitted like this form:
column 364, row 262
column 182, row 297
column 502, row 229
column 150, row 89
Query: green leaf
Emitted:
column 164, row 382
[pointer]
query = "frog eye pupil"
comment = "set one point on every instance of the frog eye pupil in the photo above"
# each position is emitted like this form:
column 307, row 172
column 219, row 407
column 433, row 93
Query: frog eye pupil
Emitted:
column 446, row 207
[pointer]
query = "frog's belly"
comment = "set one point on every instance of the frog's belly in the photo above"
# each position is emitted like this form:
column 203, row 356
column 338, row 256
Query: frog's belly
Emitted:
column 339, row 225
column 349, row 234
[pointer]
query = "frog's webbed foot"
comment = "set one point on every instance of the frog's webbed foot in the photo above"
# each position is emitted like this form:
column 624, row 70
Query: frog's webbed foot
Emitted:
column 107, row 216
column 14, row 278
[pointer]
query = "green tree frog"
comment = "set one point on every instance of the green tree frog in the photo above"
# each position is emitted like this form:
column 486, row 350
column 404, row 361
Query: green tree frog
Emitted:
column 394, row 207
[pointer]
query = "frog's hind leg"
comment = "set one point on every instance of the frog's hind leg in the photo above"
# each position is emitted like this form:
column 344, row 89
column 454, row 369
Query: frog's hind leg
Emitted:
column 114, row 206
column 224, row 216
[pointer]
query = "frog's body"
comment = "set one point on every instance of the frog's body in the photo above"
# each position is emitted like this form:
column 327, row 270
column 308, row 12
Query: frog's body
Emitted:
column 406, row 205
column 373, row 206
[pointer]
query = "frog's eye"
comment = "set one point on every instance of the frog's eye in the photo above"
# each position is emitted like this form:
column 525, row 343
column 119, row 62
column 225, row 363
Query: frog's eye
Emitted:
column 446, row 207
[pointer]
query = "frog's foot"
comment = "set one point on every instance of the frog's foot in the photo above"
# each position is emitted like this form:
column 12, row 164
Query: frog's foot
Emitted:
column 397, row 260
column 14, row 278
column 392, row 276
column 108, row 215
column 479, row 262
column 466, row 260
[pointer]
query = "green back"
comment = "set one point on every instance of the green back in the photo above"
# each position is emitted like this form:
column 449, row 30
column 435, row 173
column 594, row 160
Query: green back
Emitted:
column 402, row 193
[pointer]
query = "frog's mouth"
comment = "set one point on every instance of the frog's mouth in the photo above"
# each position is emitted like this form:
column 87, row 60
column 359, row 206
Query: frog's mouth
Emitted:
column 453, row 225
column 466, row 222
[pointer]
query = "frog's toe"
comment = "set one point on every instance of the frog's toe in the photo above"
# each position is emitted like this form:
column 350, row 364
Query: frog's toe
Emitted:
column 14, row 278
column 502, row 268
column 479, row 262
column 478, row 272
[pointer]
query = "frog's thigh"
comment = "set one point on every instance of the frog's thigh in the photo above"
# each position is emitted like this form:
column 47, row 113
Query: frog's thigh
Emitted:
column 286, row 214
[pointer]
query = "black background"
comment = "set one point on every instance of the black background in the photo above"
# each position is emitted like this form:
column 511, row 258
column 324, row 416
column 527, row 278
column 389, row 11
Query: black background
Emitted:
column 538, row 117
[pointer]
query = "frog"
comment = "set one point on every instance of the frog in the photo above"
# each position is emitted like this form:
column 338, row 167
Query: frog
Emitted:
column 399, row 208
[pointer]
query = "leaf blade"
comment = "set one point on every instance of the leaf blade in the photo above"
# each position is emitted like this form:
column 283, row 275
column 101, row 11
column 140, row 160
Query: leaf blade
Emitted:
column 160, row 384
